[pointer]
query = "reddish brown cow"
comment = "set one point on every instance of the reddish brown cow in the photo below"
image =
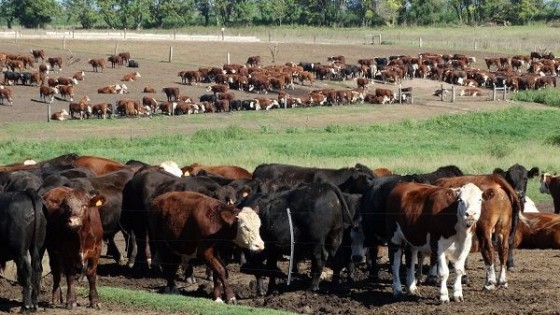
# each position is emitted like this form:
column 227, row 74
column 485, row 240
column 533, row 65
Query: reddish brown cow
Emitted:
column 43, row 68
column 115, row 60
column 551, row 185
column 131, row 76
column 217, row 88
column 55, row 61
column 382, row 92
column 149, row 89
column 38, row 53
column 544, row 233
column 5, row 93
column 434, row 220
column 499, row 215
column 102, row 110
column 60, row 115
column 151, row 102
column 111, row 89
column 66, row 90
column 98, row 165
column 79, row 76
column 188, row 225
column 47, row 91
column 74, row 241
column 362, row 83
column 306, row 76
column 172, row 93
column 82, row 108
column 229, row 171
column 67, row 81
column 97, row 64
column 253, row 61
column 191, row 77
column 125, row 56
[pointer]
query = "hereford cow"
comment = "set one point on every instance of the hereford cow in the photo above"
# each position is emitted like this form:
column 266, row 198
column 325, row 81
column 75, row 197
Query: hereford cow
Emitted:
column 131, row 76
column 500, row 213
column 435, row 220
column 149, row 89
column 172, row 93
column 82, row 108
column 79, row 76
column 97, row 64
column 551, row 185
column 217, row 88
column 191, row 225
column 6, row 93
column 38, row 53
column 74, row 242
column 55, row 61
column 113, row 89
column 47, row 91
column 102, row 110
column 66, row 90
column 544, row 233
column 22, row 234
column 60, row 115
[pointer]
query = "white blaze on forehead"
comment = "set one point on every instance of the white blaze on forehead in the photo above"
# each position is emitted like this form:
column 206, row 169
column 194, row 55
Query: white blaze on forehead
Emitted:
column 544, row 186
column 470, row 204
column 248, row 234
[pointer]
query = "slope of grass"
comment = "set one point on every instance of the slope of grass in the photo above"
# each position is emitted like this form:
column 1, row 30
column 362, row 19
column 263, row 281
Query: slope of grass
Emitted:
column 545, row 96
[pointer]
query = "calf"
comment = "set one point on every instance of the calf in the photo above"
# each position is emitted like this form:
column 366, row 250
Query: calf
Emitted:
column 188, row 225
column 97, row 64
column 38, row 53
column 60, row 115
column 102, row 110
column 131, row 76
column 149, row 89
column 22, row 234
column 46, row 91
column 55, row 61
column 253, row 61
column 218, row 88
column 79, row 75
column 125, row 56
column 544, row 233
column 115, row 60
column 66, row 90
column 5, row 93
column 172, row 93
column 435, row 220
column 551, row 185
column 74, row 242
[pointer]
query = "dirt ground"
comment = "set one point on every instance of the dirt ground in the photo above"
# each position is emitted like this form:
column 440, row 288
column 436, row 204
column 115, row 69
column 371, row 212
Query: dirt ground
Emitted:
column 533, row 288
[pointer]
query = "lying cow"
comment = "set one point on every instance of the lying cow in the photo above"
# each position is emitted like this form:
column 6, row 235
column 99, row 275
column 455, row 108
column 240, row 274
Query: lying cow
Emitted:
column 60, row 115
column 74, row 242
column 131, row 76
column 544, row 233
column 192, row 225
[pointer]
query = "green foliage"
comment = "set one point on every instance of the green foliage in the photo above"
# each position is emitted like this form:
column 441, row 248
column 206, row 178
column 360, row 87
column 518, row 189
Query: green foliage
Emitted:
column 548, row 96
column 37, row 13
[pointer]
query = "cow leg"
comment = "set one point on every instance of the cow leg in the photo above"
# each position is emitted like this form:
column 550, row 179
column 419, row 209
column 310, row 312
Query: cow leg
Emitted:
column 220, row 276
column 503, row 251
column 272, row 269
column 458, row 285
column 373, row 251
column 92, row 280
column 395, row 251
column 487, row 251
column 54, row 263
column 24, row 278
column 317, row 263
column 71, row 302
column 511, row 240
column 443, row 271
column 410, row 274
column 112, row 250
column 132, row 249
column 37, row 271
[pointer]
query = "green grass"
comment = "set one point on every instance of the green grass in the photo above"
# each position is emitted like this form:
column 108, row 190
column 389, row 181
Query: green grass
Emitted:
column 545, row 96
column 175, row 303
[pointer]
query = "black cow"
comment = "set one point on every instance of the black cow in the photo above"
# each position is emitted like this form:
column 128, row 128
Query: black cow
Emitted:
column 22, row 232
column 292, row 175
column 133, row 64
column 517, row 176
column 319, row 214
column 208, row 98
column 19, row 181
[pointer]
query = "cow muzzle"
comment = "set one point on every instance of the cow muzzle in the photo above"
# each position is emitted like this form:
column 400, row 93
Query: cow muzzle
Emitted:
column 74, row 223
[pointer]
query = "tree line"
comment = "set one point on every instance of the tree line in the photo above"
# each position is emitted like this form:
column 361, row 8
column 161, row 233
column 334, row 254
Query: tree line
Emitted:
column 168, row 14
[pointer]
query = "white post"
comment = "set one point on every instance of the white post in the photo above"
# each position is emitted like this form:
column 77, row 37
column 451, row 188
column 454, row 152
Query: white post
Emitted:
column 228, row 61
column 223, row 29
column 116, row 47
column 420, row 42
column 170, row 53
column 453, row 94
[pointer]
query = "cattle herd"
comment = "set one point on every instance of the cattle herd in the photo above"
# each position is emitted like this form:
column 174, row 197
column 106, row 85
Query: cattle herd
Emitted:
column 69, row 204
column 534, row 71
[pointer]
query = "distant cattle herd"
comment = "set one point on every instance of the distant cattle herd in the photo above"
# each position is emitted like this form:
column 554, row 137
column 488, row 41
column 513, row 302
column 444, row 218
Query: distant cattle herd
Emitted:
column 519, row 72
column 221, row 213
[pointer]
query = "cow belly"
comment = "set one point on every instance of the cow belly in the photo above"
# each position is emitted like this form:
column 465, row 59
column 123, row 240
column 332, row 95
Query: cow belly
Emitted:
column 399, row 236
column 454, row 247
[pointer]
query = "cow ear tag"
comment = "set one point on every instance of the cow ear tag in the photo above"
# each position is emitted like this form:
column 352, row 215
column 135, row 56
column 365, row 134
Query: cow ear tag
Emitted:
column 186, row 173
column 98, row 203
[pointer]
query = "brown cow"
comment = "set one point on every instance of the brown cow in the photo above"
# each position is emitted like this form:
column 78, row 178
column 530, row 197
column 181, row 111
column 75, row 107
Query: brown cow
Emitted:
column 47, row 91
column 66, row 90
column 362, row 83
column 543, row 234
column 551, row 185
column 435, row 220
column 229, row 171
column 131, row 76
column 125, row 56
column 150, row 102
column 82, row 108
column 55, row 61
column 60, row 115
column 113, row 89
column 67, row 81
column 149, row 89
column 188, row 225
column 79, row 75
column 102, row 110
column 98, row 165
column 38, row 53
column 6, row 93
column 253, row 61
column 499, row 215
column 172, row 93
column 74, row 241
column 115, row 60
column 217, row 88
column 97, row 64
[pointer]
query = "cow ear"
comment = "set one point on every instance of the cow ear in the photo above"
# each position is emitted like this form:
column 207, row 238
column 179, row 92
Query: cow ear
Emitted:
column 228, row 216
column 499, row 171
column 245, row 191
column 488, row 194
column 97, row 201
column 533, row 172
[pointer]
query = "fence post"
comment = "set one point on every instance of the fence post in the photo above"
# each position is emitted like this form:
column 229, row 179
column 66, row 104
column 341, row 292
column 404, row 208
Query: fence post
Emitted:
column 228, row 58
column 64, row 42
column 49, row 112
column 494, row 92
column 116, row 47
column 475, row 45
column 269, row 36
column 420, row 42
column 441, row 95
column 400, row 93
column 379, row 39
column 453, row 94
column 505, row 92
column 170, row 53
column 15, row 36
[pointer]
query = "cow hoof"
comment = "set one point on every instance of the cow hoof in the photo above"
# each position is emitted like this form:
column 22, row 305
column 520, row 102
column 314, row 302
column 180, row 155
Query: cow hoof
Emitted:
column 511, row 269
column 464, row 279
column 490, row 287
column 458, row 298
column 71, row 306
column 444, row 299
column 503, row 285
column 232, row 301
column 122, row 262
column 219, row 300
column 96, row 306
column 171, row 290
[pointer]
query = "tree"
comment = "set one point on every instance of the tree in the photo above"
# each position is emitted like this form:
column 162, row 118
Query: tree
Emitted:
column 82, row 11
column 204, row 7
column 389, row 10
column 9, row 9
column 37, row 13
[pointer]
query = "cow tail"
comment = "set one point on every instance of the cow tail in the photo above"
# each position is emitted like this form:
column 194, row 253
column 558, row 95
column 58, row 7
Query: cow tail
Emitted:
column 348, row 217
column 38, row 240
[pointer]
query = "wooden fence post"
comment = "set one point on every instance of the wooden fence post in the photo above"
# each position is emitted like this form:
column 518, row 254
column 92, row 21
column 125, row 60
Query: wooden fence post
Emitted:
column 441, row 95
column 228, row 59
column 49, row 112
column 116, row 47
column 420, row 42
column 453, row 94
column 170, row 54
column 494, row 92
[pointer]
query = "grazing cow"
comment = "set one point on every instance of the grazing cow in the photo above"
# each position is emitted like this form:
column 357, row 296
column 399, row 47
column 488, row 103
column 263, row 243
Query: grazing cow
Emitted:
column 131, row 76
column 172, row 93
column 149, row 89
column 544, row 233
column 551, row 185
column 382, row 92
column 55, row 61
column 229, row 171
column 253, row 61
column 115, row 60
column 6, row 93
column 152, row 103
column 362, row 83
column 38, row 53
column 217, row 88
column 97, row 64
column 319, row 213
column 191, row 77
column 306, row 76
column 125, row 56
column 60, row 115
column 499, row 215
column 133, row 64
column 74, row 241
column 102, row 110
column 79, row 76
column 434, row 220
column 22, row 234
column 47, row 91
column 67, row 81
column 82, row 108
column 66, row 90
column 190, row 225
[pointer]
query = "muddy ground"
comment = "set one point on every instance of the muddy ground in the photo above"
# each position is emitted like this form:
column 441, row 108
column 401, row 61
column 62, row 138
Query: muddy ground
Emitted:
column 533, row 288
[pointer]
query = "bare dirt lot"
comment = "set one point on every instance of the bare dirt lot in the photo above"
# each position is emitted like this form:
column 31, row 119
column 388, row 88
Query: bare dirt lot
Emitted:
column 533, row 288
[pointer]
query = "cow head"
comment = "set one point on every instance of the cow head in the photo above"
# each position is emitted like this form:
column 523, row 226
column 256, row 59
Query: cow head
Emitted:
column 545, row 183
column 248, row 235
column 517, row 176
column 71, row 204
column 469, row 204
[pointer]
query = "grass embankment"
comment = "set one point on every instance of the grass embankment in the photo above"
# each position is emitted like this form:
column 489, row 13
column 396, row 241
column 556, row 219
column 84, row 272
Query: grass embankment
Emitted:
column 549, row 96
column 476, row 142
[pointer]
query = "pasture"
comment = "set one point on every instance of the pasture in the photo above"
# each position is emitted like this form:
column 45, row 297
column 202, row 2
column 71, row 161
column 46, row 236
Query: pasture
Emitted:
column 477, row 135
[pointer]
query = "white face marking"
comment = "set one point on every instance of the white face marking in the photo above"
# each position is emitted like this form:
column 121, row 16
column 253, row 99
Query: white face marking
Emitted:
column 544, row 186
column 470, row 203
column 248, row 234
